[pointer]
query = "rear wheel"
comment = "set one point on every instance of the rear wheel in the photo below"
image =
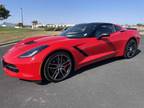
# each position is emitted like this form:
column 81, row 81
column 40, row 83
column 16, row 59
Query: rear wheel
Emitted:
column 58, row 66
column 131, row 48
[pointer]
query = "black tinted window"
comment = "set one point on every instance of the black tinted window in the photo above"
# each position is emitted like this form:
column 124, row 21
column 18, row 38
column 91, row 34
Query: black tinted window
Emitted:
column 107, row 28
column 117, row 28
column 80, row 30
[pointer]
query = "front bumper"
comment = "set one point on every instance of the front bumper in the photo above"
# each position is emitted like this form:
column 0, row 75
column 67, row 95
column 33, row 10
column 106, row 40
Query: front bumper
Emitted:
column 10, row 67
column 27, row 69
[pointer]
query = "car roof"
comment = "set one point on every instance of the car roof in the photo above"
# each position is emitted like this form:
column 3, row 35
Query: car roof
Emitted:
column 97, row 23
column 100, row 23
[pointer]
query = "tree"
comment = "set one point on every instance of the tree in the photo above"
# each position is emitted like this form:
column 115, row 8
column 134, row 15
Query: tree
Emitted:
column 140, row 24
column 4, row 13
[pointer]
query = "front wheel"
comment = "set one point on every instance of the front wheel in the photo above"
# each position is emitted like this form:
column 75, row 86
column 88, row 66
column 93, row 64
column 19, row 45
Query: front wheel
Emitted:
column 58, row 66
column 131, row 48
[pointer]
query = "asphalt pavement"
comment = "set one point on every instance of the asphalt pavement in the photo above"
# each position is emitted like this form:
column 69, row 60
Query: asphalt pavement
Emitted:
column 114, row 83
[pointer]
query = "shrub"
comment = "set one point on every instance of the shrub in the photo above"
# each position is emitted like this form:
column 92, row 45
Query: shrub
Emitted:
column 49, row 28
column 59, row 28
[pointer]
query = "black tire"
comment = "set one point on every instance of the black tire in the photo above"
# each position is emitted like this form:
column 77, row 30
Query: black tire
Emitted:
column 58, row 66
column 130, row 49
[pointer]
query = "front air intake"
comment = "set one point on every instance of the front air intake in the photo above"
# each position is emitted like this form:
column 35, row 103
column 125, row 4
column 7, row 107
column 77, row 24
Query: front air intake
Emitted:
column 10, row 67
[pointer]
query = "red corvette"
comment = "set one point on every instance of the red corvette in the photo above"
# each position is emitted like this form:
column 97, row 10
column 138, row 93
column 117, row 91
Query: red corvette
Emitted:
column 53, row 58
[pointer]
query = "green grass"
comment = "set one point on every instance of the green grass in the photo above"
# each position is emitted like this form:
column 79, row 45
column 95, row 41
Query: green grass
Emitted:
column 12, row 34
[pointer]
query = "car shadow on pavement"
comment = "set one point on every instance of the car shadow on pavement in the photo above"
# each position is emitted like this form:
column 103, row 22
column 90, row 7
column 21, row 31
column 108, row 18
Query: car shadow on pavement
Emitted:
column 37, row 82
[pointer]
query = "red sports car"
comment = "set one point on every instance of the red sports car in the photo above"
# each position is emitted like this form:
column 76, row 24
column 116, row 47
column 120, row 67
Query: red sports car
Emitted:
column 54, row 58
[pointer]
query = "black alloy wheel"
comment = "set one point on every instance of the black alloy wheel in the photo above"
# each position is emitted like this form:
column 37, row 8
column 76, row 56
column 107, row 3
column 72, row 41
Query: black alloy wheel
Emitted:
column 58, row 67
column 131, row 49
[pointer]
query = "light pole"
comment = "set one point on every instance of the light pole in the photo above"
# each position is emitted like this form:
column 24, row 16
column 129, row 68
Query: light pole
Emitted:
column 21, row 15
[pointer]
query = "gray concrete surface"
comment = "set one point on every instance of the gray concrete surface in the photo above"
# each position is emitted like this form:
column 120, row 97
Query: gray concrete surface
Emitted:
column 117, row 83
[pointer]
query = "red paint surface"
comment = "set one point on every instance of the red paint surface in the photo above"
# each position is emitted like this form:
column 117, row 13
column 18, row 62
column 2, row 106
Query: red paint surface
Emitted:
column 97, row 50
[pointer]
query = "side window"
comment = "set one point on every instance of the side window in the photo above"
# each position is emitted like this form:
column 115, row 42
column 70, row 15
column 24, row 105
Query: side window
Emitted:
column 117, row 28
column 105, row 28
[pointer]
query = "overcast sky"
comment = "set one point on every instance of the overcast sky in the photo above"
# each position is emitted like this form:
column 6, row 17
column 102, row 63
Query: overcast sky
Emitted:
column 76, row 11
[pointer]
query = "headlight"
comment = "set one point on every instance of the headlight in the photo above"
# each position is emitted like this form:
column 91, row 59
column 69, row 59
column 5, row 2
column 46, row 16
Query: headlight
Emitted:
column 33, row 51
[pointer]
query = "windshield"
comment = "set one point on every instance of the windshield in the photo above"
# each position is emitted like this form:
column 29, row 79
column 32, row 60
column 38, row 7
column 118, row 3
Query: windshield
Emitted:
column 80, row 30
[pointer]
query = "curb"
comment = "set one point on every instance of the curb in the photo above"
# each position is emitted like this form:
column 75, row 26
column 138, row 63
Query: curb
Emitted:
column 7, row 43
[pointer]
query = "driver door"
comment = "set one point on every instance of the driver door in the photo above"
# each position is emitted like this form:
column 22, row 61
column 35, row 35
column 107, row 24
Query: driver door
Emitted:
column 96, row 48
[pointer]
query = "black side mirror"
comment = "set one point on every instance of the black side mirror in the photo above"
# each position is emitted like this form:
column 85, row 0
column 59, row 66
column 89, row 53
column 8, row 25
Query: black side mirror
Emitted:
column 104, row 35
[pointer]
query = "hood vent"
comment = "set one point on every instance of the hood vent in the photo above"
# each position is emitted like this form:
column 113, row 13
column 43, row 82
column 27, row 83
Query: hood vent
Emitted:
column 30, row 42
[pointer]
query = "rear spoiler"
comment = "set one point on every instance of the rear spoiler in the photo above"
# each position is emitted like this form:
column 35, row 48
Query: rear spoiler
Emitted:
column 131, row 28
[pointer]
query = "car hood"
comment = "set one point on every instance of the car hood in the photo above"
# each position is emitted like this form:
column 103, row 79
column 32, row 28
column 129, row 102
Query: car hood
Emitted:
column 43, row 40
column 30, row 43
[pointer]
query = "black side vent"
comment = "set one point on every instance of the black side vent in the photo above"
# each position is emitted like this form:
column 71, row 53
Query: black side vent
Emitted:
column 30, row 42
column 81, row 51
